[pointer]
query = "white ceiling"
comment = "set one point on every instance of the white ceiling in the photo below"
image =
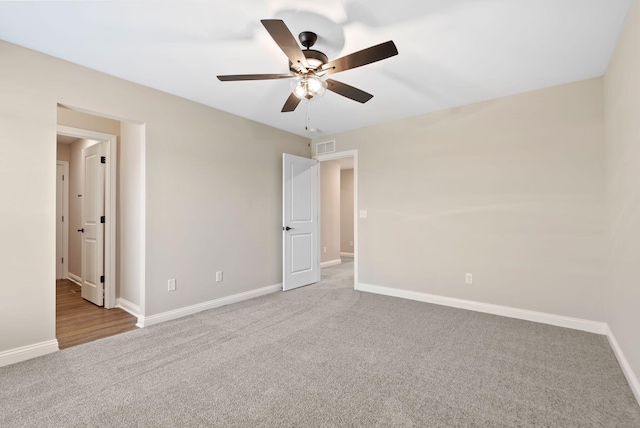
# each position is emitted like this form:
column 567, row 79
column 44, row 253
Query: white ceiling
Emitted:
column 451, row 52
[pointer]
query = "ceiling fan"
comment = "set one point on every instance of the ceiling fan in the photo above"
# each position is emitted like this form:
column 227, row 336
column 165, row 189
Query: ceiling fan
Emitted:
column 309, row 67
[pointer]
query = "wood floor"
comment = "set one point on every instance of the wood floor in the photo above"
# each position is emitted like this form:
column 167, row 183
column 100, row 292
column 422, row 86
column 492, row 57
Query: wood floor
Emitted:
column 79, row 321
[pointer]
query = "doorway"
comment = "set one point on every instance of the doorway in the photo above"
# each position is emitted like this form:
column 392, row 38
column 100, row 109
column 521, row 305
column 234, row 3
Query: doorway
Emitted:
column 344, row 253
column 81, row 139
column 78, row 319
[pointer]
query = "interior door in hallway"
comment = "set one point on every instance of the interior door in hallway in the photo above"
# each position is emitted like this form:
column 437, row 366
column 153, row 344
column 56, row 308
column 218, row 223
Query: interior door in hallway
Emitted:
column 300, row 226
column 92, row 228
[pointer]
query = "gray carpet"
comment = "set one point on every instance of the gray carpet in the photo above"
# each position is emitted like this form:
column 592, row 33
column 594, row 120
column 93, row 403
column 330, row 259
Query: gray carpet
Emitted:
column 326, row 355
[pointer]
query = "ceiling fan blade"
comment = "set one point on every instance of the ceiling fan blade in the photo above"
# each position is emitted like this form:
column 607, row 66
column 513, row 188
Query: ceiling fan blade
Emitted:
column 236, row 77
column 348, row 91
column 283, row 37
column 360, row 58
column 291, row 103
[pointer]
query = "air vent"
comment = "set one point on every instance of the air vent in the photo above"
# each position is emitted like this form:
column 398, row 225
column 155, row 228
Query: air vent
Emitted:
column 326, row 147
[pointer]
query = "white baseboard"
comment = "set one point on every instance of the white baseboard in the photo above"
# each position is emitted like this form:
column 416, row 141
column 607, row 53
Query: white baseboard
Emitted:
column 24, row 353
column 346, row 254
column 75, row 278
column 634, row 383
column 505, row 311
column 127, row 306
column 188, row 310
column 330, row 263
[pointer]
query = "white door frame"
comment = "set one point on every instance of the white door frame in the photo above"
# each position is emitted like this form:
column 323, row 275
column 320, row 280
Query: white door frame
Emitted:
column 111, row 144
column 65, row 214
column 340, row 155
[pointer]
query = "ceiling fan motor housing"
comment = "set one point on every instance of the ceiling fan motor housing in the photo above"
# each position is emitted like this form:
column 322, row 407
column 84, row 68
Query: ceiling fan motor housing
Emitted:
column 315, row 59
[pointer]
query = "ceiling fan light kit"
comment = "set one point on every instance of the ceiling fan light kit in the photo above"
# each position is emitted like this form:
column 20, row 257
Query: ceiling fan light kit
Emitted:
column 308, row 87
column 310, row 67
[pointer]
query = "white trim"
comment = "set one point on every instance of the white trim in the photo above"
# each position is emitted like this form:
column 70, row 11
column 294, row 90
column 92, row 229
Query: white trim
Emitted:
column 634, row 383
column 189, row 310
column 127, row 306
column 356, row 219
column 65, row 214
column 110, row 244
column 343, row 254
column 28, row 352
column 331, row 263
column 75, row 278
column 505, row 311
column 142, row 221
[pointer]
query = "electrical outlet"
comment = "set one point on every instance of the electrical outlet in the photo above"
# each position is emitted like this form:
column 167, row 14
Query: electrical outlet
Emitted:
column 219, row 276
column 468, row 278
column 351, row 243
column 363, row 213
column 172, row 284
column 324, row 250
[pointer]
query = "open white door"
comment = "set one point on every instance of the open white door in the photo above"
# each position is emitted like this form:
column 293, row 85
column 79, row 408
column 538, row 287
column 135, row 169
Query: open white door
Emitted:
column 300, row 226
column 92, row 227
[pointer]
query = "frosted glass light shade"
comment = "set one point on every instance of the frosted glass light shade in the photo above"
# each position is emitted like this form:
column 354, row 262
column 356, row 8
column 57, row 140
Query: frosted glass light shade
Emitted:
column 308, row 87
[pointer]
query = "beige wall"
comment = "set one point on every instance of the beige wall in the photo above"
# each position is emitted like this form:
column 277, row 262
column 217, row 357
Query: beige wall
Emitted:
column 511, row 190
column 346, row 211
column 330, row 210
column 212, row 191
column 62, row 152
column 622, row 120
column 131, row 214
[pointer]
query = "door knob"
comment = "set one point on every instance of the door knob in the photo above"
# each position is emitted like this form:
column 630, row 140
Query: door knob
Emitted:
column 81, row 230
column 288, row 228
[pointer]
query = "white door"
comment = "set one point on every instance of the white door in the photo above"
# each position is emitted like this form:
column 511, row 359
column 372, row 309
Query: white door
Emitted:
column 60, row 201
column 92, row 228
column 300, row 226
